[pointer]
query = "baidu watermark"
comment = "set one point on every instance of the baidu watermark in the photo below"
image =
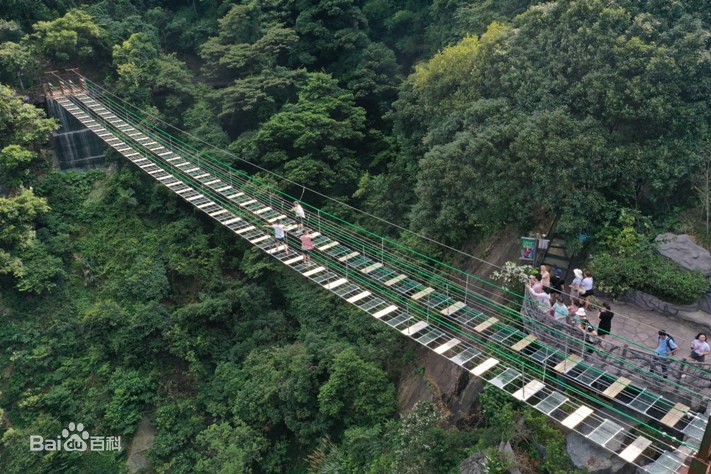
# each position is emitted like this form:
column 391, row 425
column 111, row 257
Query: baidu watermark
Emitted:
column 75, row 438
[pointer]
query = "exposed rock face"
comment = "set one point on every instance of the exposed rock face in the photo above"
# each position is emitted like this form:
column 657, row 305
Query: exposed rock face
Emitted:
column 438, row 380
column 685, row 252
column 141, row 444
column 594, row 459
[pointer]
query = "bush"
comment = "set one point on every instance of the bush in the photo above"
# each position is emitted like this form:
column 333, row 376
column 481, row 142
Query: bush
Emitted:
column 650, row 272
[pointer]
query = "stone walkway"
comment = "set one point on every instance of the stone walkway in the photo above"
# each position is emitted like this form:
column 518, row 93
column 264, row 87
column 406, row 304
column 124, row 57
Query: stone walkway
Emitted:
column 641, row 325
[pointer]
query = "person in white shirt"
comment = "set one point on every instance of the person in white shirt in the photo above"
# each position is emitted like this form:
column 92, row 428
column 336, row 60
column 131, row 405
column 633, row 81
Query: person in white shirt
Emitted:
column 586, row 288
column 279, row 236
column 299, row 214
column 699, row 348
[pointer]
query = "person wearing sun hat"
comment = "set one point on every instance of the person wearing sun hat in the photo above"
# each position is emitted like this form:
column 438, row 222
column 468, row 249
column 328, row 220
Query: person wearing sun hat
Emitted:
column 579, row 316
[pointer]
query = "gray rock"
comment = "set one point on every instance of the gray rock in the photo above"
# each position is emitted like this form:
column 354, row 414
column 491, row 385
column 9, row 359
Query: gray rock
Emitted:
column 440, row 381
column 685, row 252
column 474, row 464
column 594, row 459
column 140, row 445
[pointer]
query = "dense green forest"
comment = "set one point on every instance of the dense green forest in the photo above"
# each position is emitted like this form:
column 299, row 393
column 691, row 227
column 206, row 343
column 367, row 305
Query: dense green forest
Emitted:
column 454, row 119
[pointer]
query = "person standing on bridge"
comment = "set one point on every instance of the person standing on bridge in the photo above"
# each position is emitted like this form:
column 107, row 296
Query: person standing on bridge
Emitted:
column 299, row 214
column 279, row 236
column 665, row 347
column 307, row 245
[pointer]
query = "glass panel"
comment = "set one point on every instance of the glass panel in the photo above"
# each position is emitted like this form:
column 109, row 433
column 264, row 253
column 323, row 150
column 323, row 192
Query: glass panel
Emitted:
column 605, row 432
column 549, row 404
column 504, row 378
column 430, row 336
column 465, row 356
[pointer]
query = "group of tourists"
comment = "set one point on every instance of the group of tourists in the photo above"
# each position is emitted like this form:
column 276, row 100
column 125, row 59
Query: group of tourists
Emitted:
column 549, row 292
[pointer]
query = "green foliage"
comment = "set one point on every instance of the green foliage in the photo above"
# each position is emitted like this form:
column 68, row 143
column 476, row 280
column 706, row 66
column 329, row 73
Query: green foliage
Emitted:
column 227, row 449
column 146, row 75
column 131, row 392
column 604, row 120
column 627, row 258
column 315, row 139
column 357, row 392
column 73, row 37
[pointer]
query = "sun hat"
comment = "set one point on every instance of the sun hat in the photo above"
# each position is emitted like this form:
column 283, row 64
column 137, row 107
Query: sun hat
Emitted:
column 580, row 312
column 578, row 273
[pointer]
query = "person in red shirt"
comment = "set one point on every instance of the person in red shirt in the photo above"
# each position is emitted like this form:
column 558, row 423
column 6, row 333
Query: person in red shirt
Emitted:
column 307, row 245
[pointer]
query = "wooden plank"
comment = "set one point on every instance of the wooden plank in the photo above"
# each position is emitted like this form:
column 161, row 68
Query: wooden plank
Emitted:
column 613, row 390
column 372, row 267
column 232, row 221
column 262, row 210
column 222, row 190
column 453, row 309
column 675, row 414
column 577, row 416
column 358, row 297
column 218, row 213
column 528, row 390
column 418, row 326
column 336, row 284
column 520, row 345
column 348, row 257
column 397, row 279
column 196, row 197
column 247, row 203
column 277, row 218
column 328, row 245
column 484, row 366
column 385, row 311
column 314, row 271
column 422, row 293
column 447, row 346
column 259, row 239
column 637, row 447
column 486, row 324
column 246, row 229
column 206, row 204
column 291, row 261
column 232, row 196
column 566, row 365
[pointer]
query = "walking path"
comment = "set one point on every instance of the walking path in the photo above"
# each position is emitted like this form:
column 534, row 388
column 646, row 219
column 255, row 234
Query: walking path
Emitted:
column 641, row 325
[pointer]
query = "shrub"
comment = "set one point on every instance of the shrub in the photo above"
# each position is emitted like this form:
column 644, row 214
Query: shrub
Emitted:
column 649, row 272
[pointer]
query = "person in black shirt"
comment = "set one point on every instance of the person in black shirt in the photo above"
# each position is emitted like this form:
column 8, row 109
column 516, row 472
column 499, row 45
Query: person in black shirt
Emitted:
column 605, row 318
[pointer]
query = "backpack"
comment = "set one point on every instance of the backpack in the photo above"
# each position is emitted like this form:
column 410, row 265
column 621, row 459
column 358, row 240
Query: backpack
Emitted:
column 671, row 351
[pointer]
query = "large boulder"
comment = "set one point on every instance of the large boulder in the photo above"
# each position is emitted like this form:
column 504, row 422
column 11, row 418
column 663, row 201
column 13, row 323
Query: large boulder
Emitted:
column 685, row 252
column 138, row 451
column 435, row 378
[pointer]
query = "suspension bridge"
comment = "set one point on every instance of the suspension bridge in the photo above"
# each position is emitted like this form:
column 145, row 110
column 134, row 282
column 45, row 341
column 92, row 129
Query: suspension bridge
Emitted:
column 606, row 395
